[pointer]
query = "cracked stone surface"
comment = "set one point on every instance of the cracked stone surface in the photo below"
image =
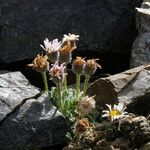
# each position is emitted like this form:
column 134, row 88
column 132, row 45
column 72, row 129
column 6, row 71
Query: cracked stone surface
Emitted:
column 28, row 120
column 103, row 25
column 131, row 87
column 141, row 46
column 14, row 89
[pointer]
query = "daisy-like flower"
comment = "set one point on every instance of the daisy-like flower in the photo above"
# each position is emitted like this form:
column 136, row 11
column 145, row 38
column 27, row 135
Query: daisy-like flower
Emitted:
column 115, row 112
column 52, row 49
column 66, row 52
column 40, row 63
column 86, row 105
column 70, row 37
column 90, row 67
column 77, row 65
column 81, row 125
column 57, row 72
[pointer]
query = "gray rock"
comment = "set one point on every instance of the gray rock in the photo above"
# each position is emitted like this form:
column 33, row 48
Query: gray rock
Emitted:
column 103, row 25
column 141, row 46
column 14, row 89
column 145, row 147
column 141, row 50
column 28, row 120
column 131, row 87
column 145, row 5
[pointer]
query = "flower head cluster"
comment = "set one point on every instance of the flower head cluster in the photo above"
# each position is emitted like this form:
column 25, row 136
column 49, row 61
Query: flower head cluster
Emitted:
column 77, row 65
column 81, row 125
column 86, row 104
column 52, row 49
column 57, row 72
column 115, row 112
column 91, row 66
column 40, row 63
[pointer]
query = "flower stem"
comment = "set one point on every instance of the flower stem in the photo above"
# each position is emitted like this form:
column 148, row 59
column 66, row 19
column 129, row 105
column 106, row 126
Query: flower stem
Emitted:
column 86, row 82
column 59, row 96
column 45, row 81
column 65, row 83
column 77, row 85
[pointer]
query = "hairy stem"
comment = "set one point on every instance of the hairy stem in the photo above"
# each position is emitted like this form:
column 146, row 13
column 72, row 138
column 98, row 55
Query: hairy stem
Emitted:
column 86, row 83
column 45, row 81
column 65, row 83
column 78, row 76
column 59, row 96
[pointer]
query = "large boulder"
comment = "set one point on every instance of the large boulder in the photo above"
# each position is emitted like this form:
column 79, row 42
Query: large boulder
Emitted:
column 103, row 26
column 141, row 46
column 131, row 88
column 27, row 118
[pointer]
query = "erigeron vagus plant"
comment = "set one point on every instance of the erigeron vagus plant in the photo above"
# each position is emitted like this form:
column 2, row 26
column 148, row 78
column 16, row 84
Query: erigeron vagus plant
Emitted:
column 72, row 103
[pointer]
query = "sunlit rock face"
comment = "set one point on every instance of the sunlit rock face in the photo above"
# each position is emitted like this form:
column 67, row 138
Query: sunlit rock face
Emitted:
column 131, row 88
column 103, row 26
column 27, row 118
column 141, row 46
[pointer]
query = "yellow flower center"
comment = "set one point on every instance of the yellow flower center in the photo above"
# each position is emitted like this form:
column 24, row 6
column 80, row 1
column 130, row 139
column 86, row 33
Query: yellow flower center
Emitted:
column 114, row 112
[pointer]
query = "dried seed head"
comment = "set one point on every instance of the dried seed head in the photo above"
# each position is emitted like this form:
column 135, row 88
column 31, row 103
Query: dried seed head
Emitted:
column 40, row 63
column 70, row 37
column 81, row 125
column 86, row 105
column 77, row 65
column 91, row 66
column 66, row 52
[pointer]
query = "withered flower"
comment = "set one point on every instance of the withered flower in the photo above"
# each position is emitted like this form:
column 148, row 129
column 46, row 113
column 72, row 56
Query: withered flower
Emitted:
column 70, row 37
column 81, row 125
column 86, row 104
column 90, row 66
column 57, row 72
column 52, row 49
column 77, row 65
column 66, row 52
column 40, row 63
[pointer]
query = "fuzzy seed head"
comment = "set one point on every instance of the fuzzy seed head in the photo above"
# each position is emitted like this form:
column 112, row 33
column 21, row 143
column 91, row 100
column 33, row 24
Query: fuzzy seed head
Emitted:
column 82, row 125
column 86, row 105
column 77, row 65
column 66, row 52
column 91, row 66
column 40, row 63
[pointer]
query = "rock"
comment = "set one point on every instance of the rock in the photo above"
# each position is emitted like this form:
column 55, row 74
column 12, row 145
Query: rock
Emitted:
column 146, row 146
column 131, row 87
column 141, row 46
column 27, row 118
column 104, row 25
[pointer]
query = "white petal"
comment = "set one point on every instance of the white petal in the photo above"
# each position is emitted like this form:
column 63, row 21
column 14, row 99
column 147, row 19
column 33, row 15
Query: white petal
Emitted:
column 109, row 106
column 105, row 115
